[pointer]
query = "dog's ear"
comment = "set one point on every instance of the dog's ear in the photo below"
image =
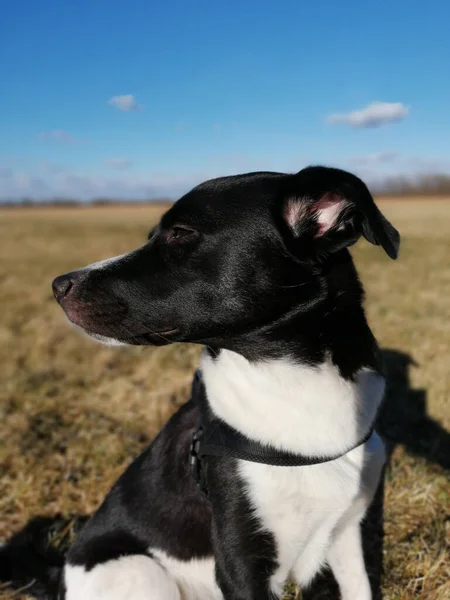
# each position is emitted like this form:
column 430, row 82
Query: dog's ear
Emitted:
column 336, row 208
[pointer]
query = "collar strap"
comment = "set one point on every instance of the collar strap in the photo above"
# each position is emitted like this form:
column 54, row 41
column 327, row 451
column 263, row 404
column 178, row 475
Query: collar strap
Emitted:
column 214, row 437
column 219, row 439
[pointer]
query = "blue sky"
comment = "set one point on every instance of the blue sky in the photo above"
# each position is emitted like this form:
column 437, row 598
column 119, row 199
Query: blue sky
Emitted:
column 148, row 98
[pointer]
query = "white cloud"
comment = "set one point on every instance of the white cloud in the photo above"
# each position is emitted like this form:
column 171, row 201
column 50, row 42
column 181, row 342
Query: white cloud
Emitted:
column 86, row 187
column 374, row 158
column 22, row 185
column 126, row 103
column 57, row 135
column 49, row 167
column 428, row 164
column 46, row 182
column 120, row 164
column 375, row 114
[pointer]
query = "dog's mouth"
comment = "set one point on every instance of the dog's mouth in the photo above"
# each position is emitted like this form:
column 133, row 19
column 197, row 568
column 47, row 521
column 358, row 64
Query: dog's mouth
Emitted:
column 123, row 332
column 113, row 326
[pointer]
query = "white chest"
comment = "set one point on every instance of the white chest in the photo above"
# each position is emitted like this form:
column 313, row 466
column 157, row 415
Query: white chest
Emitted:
column 299, row 408
column 309, row 410
column 303, row 506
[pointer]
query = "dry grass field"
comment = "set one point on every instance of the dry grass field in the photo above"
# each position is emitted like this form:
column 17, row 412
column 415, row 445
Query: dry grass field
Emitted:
column 73, row 413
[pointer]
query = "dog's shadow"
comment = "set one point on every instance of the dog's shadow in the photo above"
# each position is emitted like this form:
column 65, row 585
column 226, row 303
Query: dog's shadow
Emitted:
column 403, row 420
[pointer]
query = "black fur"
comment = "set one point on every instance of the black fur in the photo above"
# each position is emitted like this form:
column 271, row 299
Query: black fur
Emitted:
column 156, row 502
column 226, row 268
column 245, row 554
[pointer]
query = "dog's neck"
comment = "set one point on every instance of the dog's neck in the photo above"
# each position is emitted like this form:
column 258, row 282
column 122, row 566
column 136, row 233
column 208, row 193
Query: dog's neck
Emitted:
column 303, row 409
column 309, row 384
column 333, row 327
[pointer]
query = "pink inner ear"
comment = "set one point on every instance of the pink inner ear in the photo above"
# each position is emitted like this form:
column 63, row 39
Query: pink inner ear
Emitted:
column 328, row 210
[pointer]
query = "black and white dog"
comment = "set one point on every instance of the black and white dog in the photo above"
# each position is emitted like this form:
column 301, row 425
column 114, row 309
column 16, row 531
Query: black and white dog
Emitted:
column 256, row 268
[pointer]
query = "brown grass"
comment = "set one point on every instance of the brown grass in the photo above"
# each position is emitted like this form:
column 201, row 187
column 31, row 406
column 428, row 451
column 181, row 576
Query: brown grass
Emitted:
column 73, row 413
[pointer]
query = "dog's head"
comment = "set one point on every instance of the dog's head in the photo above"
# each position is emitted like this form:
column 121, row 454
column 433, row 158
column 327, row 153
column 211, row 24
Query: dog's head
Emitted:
column 233, row 256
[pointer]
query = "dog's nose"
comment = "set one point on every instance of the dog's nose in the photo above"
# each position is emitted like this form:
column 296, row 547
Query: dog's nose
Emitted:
column 61, row 286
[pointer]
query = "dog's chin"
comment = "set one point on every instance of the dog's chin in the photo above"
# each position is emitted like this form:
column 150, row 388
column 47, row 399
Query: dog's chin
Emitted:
column 101, row 330
column 145, row 339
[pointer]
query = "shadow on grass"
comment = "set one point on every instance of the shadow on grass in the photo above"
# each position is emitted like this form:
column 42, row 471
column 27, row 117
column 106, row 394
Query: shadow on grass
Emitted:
column 402, row 420
column 31, row 563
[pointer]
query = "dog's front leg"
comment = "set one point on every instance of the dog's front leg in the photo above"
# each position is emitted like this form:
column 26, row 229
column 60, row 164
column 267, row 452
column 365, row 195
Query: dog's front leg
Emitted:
column 241, row 574
column 245, row 554
column 345, row 557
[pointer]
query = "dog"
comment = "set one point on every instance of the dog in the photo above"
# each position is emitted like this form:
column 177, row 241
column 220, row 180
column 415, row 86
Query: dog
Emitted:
column 256, row 268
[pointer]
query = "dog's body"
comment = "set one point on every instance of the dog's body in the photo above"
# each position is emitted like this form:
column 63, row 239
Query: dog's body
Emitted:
column 153, row 538
column 255, row 267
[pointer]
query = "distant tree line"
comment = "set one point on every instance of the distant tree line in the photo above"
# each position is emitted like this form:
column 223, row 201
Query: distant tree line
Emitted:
column 424, row 185
column 73, row 202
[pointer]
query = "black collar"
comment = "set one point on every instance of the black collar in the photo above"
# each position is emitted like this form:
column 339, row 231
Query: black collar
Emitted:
column 213, row 437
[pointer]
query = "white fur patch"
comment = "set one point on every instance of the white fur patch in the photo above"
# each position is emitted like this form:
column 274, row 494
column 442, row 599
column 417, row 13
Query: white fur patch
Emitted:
column 299, row 408
column 135, row 577
column 106, row 341
column 141, row 577
column 294, row 211
column 195, row 578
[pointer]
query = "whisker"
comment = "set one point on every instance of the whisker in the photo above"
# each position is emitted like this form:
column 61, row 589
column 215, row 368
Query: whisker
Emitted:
column 293, row 286
column 147, row 329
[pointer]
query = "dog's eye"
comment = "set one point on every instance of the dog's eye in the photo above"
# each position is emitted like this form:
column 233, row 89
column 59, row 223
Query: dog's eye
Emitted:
column 180, row 233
